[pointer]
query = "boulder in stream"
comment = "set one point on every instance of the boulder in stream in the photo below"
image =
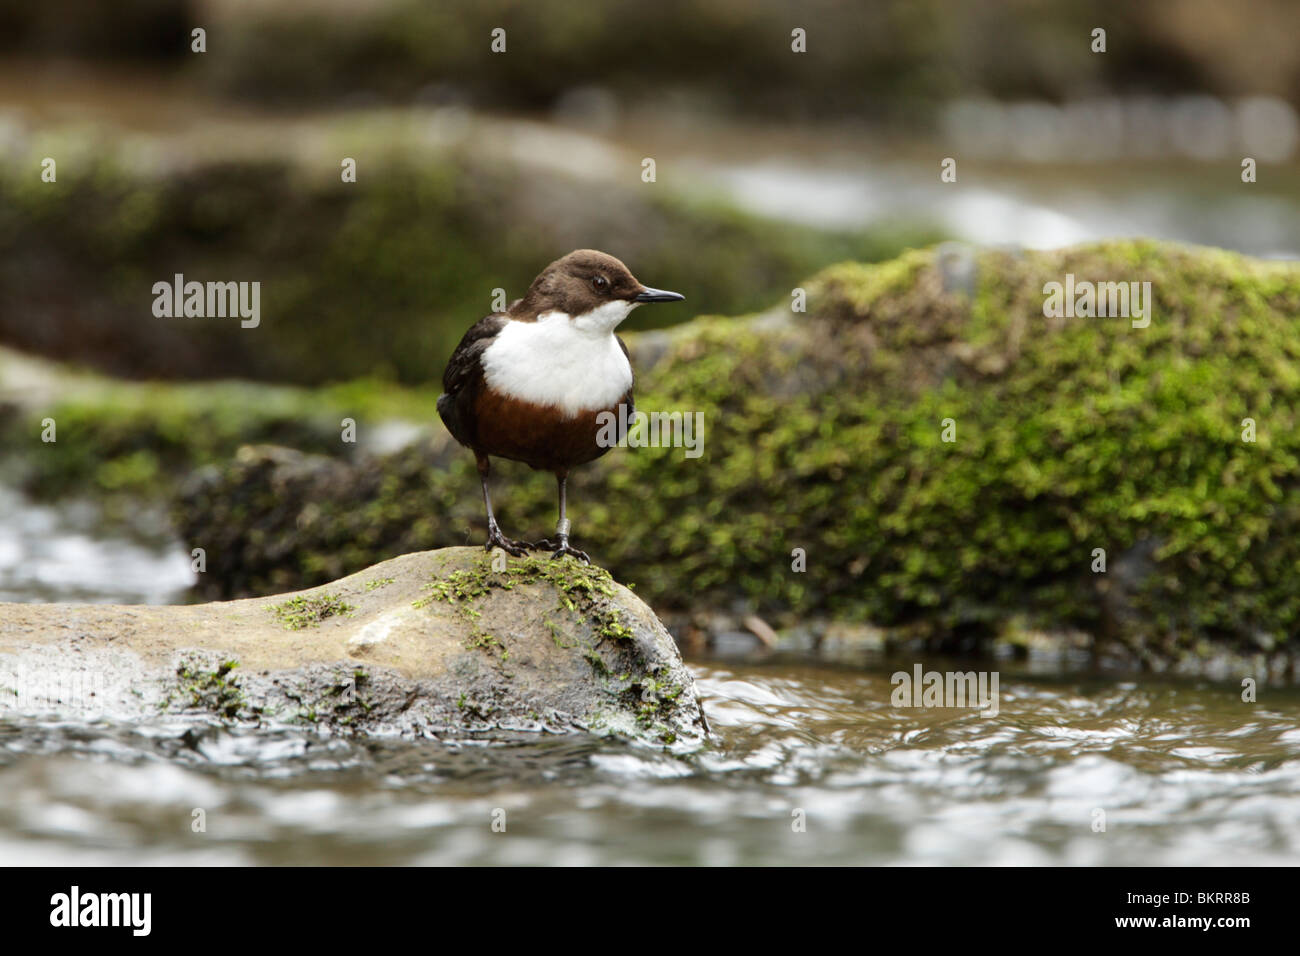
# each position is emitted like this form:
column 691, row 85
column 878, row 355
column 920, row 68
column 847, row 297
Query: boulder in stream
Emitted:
column 452, row 642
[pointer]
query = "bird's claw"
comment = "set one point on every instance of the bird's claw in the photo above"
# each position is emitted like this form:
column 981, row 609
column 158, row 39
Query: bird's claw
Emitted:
column 564, row 549
column 497, row 540
column 558, row 549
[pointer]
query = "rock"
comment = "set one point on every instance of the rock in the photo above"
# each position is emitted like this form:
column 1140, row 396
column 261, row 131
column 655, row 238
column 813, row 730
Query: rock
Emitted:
column 824, row 432
column 823, row 435
column 210, row 205
column 432, row 643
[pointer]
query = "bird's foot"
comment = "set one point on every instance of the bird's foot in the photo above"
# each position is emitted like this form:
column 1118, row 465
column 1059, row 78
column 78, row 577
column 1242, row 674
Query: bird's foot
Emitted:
column 562, row 548
column 497, row 540
column 544, row 545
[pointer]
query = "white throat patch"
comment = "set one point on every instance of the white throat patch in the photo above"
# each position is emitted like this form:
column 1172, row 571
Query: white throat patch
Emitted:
column 575, row 364
column 603, row 319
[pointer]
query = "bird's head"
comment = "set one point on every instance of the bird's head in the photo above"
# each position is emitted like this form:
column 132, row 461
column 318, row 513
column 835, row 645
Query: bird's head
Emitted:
column 591, row 289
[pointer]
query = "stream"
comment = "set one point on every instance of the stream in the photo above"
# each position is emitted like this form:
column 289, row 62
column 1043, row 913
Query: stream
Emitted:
column 811, row 764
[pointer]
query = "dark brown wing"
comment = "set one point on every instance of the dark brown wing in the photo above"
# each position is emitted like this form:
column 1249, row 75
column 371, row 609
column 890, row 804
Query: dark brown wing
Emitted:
column 464, row 377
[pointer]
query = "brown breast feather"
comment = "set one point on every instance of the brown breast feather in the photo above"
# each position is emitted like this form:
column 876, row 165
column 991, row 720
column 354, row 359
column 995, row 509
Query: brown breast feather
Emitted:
column 494, row 423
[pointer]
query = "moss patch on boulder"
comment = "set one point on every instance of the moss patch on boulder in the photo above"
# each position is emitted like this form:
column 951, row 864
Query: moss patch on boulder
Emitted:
column 823, row 431
column 528, row 647
column 117, row 441
column 299, row 612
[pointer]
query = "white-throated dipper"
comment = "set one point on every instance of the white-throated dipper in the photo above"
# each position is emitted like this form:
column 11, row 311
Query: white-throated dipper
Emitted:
column 528, row 384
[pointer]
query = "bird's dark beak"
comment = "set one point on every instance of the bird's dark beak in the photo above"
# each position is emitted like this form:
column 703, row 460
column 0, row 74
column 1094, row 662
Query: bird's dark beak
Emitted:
column 658, row 295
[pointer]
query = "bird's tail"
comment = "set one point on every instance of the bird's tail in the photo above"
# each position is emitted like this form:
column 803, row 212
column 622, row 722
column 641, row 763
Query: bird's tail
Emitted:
column 447, row 412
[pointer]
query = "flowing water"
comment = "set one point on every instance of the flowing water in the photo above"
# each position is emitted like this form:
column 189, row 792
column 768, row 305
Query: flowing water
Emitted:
column 811, row 764
column 63, row 554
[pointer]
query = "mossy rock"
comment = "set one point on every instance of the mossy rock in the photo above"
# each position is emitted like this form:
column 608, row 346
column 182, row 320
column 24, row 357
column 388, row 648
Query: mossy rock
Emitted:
column 377, row 278
column 452, row 642
column 118, row 441
column 823, row 432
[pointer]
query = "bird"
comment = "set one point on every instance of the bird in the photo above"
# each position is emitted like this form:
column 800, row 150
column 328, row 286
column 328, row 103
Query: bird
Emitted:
column 530, row 384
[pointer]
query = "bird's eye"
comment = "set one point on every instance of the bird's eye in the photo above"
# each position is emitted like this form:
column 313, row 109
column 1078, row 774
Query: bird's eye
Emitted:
column 600, row 283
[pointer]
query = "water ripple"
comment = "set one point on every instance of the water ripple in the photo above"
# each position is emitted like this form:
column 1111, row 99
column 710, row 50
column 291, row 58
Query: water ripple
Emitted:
column 810, row 766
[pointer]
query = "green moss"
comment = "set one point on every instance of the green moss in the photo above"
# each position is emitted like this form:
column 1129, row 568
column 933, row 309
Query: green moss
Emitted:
column 118, row 441
column 339, row 701
column 557, row 635
column 592, row 657
column 579, row 591
column 578, row 586
column 823, row 433
column 323, row 255
column 215, row 690
column 487, row 642
column 300, row 612
column 379, row 583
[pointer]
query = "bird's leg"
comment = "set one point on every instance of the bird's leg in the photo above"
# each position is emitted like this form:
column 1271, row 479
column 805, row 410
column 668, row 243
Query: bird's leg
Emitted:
column 546, row 544
column 561, row 544
column 495, row 538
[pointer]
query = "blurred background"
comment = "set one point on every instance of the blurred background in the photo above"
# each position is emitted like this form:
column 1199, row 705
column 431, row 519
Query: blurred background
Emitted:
column 476, row 168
